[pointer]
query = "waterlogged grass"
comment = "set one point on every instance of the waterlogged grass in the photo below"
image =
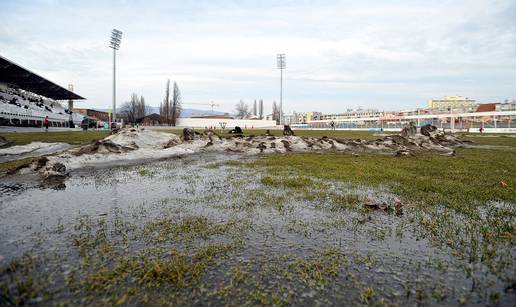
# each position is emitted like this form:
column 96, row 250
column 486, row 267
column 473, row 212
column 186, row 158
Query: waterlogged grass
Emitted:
column 226, row 163
column 291, row 230
column 282, row 280
column 290, row 182
column 471, row 178
column 186, row 230
column 145, row 172
column 122, row 262
column 465, row 204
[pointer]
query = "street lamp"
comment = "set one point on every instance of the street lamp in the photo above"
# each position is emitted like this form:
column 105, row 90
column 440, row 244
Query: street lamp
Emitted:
column 281, row 62
column 116, row 37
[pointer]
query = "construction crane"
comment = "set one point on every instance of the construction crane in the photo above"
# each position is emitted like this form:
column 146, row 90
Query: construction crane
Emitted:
column 211, row 104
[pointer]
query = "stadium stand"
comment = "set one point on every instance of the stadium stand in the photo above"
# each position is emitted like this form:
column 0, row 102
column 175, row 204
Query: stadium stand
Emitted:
column 27, row 98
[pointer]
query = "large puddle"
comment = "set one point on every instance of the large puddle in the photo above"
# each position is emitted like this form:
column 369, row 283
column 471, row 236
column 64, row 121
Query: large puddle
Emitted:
column 204, row 229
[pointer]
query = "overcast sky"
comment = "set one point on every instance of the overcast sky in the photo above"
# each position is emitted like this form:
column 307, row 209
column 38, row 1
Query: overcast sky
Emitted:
column 340, row 54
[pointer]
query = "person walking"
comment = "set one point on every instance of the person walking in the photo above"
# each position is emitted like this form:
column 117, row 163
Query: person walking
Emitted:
column 45, row 123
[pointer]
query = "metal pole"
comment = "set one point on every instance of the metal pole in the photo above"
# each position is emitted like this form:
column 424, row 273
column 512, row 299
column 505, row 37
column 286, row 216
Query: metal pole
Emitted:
column 113, row 117
column 452, row 120
column 281, row 65
column 281, row 96
column 70, row 107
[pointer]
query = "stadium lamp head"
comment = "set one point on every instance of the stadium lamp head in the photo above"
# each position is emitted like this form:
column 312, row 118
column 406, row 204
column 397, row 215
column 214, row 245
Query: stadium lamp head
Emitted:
column 281, row 61
column 116, row 38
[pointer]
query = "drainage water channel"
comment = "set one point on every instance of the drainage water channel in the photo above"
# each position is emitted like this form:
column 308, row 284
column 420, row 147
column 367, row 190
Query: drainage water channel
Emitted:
column 122, row 234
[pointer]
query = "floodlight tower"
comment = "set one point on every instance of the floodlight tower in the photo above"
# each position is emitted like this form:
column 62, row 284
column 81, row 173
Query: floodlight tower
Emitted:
column 281, row 62
column 70, row 107
column 116, row 37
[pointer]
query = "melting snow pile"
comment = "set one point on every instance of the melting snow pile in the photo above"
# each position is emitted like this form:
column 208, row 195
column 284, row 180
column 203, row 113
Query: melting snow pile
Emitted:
column 33, row 149
column 143, row 144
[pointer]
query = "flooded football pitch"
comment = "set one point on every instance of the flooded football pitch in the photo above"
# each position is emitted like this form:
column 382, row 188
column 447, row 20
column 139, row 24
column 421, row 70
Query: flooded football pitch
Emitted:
column 215, row 229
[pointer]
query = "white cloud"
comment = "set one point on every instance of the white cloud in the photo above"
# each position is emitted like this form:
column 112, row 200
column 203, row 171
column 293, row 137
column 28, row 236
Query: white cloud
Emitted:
column 341, row 54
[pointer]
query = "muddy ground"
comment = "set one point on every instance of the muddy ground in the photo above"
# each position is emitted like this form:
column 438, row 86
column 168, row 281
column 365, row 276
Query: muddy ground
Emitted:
column 207, row 230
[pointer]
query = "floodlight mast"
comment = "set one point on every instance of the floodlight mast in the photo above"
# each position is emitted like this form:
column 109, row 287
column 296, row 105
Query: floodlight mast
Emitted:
column 281, row 62
column 70, row 107
column 116, row 37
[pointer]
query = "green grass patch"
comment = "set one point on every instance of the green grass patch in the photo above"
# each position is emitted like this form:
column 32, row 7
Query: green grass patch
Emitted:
column 295, row 182
column 465, row 202
column 186, row 230
column 472, row 177
column 490, row 139
column 226, row 163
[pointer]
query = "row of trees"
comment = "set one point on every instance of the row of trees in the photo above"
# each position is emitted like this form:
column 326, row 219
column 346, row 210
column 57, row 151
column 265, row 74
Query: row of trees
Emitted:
column 258, row 109
column 242, row 110
column 170, row 108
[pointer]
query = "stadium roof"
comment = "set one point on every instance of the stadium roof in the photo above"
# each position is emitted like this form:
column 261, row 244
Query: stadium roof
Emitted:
column 13, row 74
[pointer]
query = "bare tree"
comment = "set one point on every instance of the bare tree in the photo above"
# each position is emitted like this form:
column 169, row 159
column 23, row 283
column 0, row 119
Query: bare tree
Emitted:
column 275, row 112
column 164, row 108
column 176, row 104
column 260, row 109
column 170, row 108
column 133, row 110
column 161, row 110
column 255, row 112
column 126, row 112
column 142, row 109
column 241, row 109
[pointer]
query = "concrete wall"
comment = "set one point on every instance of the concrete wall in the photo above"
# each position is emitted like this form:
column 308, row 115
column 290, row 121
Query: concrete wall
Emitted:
column 495, row 130
column 230, row 123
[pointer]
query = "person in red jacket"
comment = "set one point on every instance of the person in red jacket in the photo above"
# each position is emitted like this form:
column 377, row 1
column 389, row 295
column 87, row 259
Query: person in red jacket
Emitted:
column 45, row 123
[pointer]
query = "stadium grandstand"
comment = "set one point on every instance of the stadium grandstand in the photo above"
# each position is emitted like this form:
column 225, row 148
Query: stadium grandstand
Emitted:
column 27, row 98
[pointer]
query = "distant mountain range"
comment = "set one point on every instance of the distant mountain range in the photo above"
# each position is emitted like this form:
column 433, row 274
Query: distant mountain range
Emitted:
column 185, row 112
